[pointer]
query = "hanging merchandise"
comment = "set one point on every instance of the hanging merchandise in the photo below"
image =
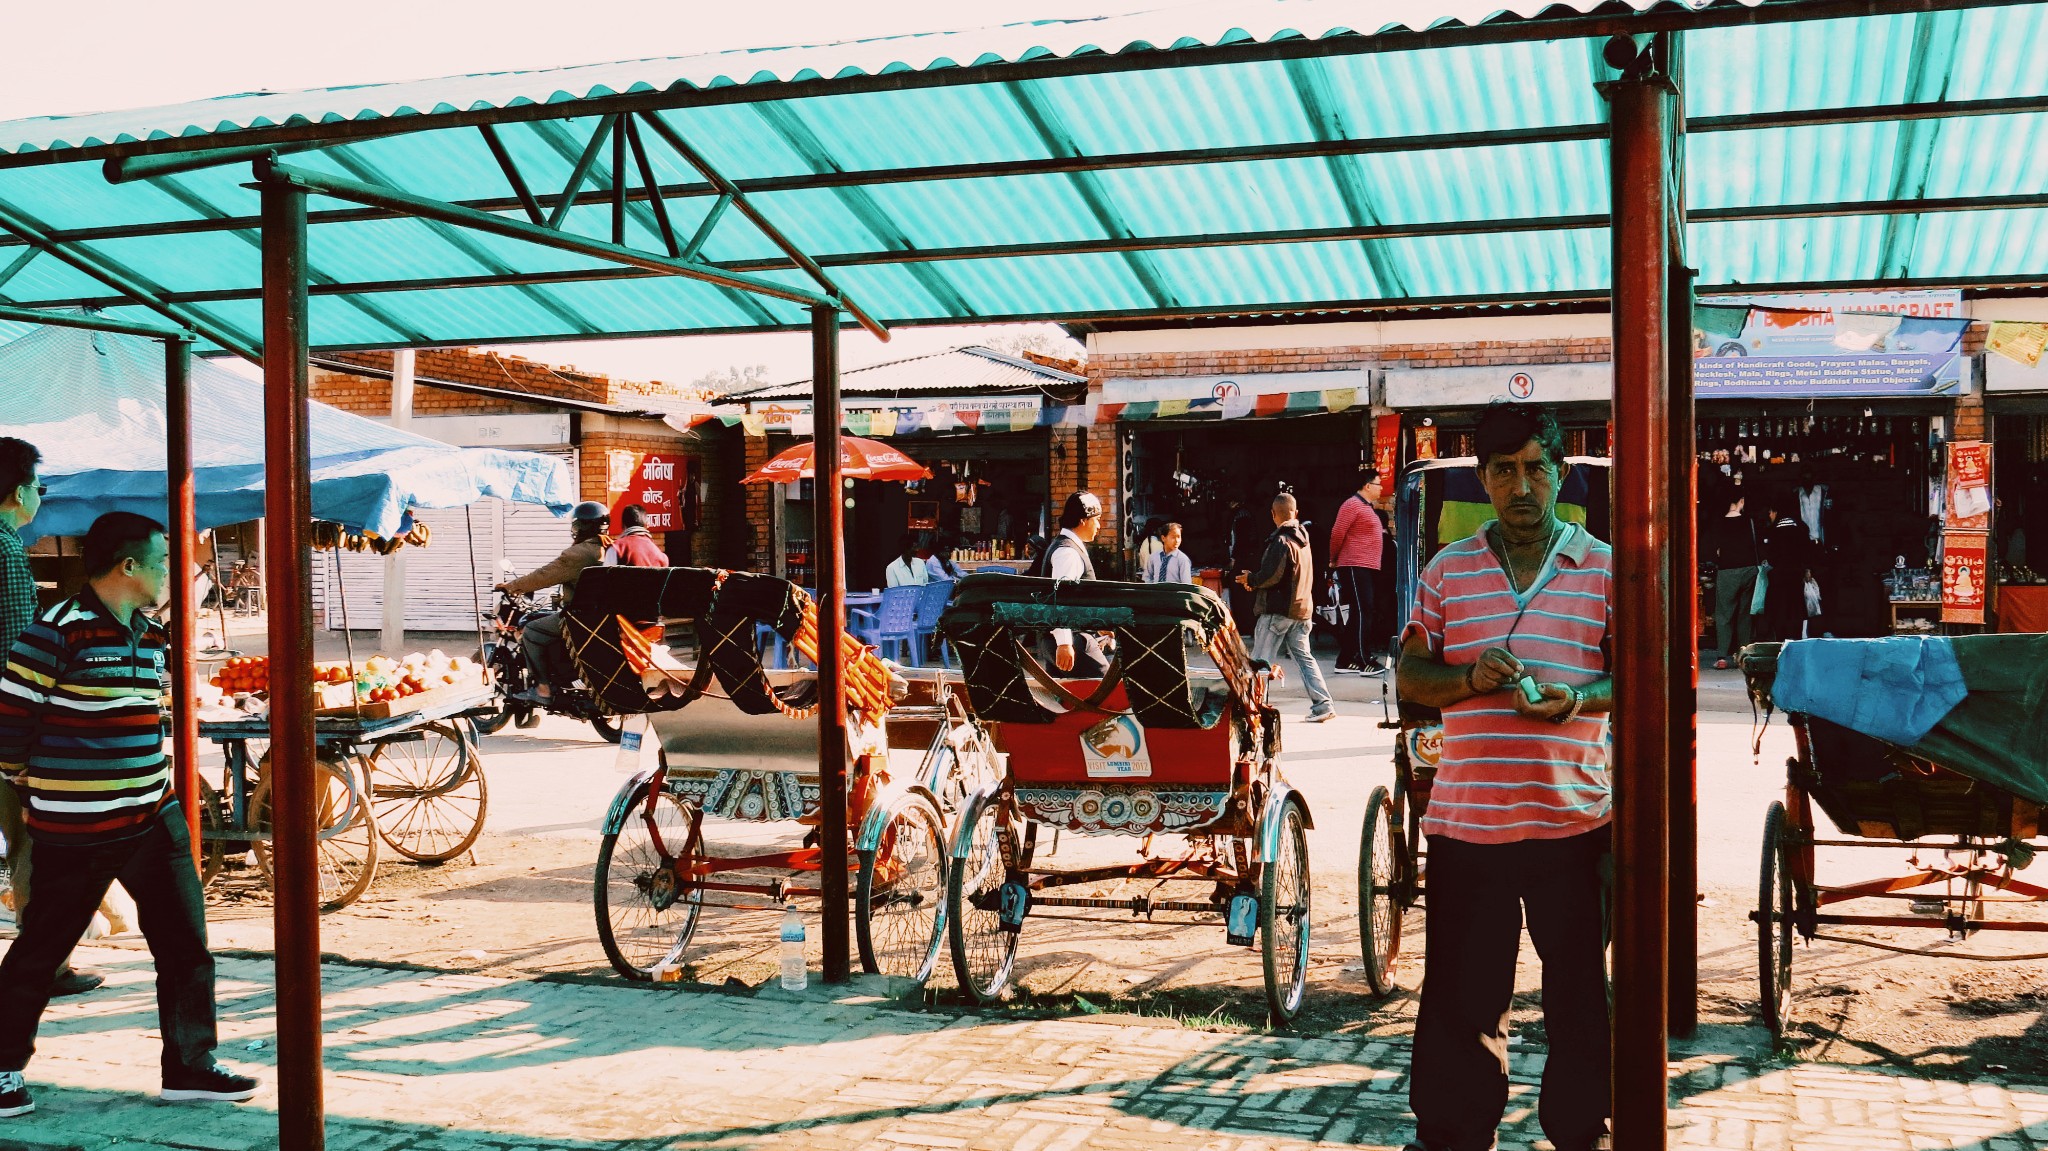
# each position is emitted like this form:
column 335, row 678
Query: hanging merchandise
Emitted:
column 1969, row 486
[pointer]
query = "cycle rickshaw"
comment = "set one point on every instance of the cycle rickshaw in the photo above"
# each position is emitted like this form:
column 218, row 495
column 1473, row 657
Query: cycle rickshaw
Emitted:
column 739, row 741
column 1439, row 503
column 1964, row 799
column 1154, row 748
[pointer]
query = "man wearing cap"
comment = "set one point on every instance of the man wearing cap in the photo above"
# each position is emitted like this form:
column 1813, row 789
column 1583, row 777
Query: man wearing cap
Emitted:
column 542, row 635
column 1066, row 558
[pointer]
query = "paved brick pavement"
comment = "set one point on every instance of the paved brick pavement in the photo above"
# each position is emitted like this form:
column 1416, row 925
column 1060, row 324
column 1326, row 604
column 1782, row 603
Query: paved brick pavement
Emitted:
column 442, row 1062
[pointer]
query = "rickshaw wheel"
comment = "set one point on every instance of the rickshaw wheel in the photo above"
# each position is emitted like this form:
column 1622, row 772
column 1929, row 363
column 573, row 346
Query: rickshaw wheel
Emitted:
column 429, row 793
column 646, row 912
column 213, row 850
column 900, row 893
column 983, row 953
column 346, row 847
column 1379, row 893
column 1774, row 917
column 1284, row 917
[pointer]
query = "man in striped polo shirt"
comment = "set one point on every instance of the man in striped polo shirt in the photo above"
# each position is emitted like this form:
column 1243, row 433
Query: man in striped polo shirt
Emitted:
column 82, row 739
column 1517, row 819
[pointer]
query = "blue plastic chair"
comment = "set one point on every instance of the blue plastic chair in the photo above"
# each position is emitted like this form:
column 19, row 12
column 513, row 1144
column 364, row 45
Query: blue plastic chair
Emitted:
column 930, row 606
column 895, row 627
column 996, row 570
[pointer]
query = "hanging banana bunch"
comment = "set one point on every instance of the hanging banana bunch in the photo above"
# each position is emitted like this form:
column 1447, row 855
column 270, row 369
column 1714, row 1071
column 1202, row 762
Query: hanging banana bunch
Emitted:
column 332, row 536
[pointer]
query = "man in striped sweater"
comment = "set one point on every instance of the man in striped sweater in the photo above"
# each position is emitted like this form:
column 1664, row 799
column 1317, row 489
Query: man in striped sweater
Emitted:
column 1509, row 639
column 82, row 739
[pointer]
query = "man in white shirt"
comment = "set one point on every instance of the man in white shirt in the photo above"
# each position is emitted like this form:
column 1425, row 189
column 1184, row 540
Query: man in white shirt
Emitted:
column 908, row 567
column 1066, row 558
column 1169, row 564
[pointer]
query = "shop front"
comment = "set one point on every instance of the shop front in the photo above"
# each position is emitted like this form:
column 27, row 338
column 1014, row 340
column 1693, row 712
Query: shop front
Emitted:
column 2016, row 406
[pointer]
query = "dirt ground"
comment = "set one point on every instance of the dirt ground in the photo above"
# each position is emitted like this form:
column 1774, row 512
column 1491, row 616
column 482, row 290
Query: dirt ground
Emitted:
column 522, row 907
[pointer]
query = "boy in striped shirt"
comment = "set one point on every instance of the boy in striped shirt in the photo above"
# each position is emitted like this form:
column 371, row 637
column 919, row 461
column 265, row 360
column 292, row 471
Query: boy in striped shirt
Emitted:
column 81, row 738
column 1517, row 818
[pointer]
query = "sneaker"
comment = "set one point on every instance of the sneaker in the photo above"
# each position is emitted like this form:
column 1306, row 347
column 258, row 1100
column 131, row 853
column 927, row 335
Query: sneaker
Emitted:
column 1321, row 715
column 1720, row 665
column 214, row 1083
column 72, row 981
column 1349, row 669
column 14, row 1098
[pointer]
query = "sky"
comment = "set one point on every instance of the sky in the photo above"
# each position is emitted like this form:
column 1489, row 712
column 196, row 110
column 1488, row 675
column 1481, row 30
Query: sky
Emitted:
column 114, row 54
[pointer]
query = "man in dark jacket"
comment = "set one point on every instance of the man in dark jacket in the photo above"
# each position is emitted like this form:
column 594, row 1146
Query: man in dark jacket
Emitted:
column 1285, row 602
column 541, row 636
column 1736, row 556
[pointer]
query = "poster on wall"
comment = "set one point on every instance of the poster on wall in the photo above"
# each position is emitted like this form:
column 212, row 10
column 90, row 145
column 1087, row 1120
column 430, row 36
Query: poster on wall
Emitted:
column 1969, row 487
column 1963, row 556
column 658, row 482
column 1386, row 448
column 1425, row 443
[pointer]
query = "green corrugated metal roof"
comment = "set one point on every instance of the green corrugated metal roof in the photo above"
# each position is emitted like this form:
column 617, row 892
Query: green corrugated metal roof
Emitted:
column 1252, row 155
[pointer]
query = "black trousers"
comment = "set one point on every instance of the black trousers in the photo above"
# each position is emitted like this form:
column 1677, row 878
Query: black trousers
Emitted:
column 1477, row 896
column 1354, row 635
column 156, row 868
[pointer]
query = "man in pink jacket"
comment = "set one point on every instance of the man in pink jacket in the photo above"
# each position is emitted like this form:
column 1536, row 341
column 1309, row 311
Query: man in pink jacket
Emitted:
column 1355, row 551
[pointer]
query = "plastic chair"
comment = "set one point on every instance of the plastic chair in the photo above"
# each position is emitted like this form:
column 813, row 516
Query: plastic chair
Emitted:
column 895, row 626
column 996, row 570
column 930, row 606
column 776, row 655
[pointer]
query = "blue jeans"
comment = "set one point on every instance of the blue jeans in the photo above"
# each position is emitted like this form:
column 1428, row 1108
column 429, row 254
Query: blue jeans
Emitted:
column 1277, row 636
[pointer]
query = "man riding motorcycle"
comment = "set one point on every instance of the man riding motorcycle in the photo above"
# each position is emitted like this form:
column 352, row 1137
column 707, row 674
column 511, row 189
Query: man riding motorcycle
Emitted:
column 542, row 636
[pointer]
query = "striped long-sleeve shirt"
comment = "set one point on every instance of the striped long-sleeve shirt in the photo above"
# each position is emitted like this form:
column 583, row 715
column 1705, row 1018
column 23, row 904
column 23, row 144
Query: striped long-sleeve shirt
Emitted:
column 1502, row 777
column 80, row 734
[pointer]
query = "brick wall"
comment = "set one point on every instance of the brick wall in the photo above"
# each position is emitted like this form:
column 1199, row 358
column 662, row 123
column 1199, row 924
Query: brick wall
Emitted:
column 711, row 514
column 755, row 502
column 368, row 396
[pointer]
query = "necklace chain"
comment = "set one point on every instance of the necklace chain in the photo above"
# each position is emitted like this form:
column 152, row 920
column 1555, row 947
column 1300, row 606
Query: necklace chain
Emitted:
column 1507, row 557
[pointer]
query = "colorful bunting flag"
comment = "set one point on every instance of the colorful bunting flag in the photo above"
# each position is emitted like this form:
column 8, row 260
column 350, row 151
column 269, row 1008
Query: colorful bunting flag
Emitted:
column 1170, row 408
column 969, row 419
column 1304, row 401
column 1108, row 413
column 882, row 423
column 1720, row 321
column 910, row 420
column 754, row 424
column 2024, row 342
column 1270, row 405
column 1339, row 399
column 858, row 422
column 1142, row 410
column 1928, row 336
column 1236, row 407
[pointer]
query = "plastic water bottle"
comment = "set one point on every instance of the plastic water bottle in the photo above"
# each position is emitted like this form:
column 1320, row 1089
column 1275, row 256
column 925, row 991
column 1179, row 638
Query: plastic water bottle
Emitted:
column 794, row 976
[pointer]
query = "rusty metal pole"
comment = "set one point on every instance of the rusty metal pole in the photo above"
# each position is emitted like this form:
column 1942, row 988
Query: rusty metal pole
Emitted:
column 1682, row 932
column 182, row 522
column 288, row 512
column 1641, row 113
column 831, row 575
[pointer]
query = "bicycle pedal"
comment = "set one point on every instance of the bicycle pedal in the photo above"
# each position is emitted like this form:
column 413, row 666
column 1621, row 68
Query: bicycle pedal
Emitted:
column 1243, row 922
column 1015, row 904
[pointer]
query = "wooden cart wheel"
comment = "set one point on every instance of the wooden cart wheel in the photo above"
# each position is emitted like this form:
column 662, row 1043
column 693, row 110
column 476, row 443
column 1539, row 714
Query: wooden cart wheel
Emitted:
column 1379, row 892
column 1774, row 915
column 646, row 912
column 1284, row 916
column 429, row 793
column 983, row 952
column 213, row 847
column 346, row 849
column 900, row 894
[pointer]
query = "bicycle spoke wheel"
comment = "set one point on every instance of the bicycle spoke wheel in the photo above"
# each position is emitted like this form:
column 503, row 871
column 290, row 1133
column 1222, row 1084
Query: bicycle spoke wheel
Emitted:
column 899, row 896
column 647, row 906
column 345, row 852
column 429, row 793
column 213, row 848
column 983, row 953
column 1379, row 905
column 1283, row 917
column 1774, row 925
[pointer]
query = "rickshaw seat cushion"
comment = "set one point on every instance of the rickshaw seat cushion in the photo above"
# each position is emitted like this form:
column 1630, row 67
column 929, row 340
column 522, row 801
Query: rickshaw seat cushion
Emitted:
column 1050, row 754
column 609, row 599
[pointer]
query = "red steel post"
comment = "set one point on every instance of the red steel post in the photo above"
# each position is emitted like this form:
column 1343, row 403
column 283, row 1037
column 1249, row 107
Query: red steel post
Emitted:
column 831, row 575
column 182, row 522
column 1641, row 114
column 1683, row 934
column 288, row 513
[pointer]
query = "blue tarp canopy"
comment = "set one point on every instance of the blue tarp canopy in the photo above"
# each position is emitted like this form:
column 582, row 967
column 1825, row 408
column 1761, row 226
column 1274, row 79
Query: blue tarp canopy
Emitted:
column 1235, row 156
column 93, row 404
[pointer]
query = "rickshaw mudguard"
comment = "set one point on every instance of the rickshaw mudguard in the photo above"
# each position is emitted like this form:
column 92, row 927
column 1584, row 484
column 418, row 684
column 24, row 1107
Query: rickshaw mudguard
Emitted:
column 1269, row 819
column 884, row 811
column 963, row 835
column 622, row 803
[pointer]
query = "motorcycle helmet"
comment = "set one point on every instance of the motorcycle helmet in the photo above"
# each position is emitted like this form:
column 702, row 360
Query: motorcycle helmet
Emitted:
column 589, row 518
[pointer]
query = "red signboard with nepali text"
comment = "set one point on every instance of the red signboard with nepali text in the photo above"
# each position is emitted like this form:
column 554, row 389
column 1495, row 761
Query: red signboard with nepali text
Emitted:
column 658, row 482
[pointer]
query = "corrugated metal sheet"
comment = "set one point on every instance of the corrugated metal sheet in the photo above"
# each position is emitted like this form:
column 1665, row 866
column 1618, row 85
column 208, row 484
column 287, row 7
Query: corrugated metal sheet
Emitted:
column 1512, row 208
column 958, row 371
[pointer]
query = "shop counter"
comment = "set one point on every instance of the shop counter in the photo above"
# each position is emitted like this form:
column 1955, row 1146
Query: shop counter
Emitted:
column 2023, row 607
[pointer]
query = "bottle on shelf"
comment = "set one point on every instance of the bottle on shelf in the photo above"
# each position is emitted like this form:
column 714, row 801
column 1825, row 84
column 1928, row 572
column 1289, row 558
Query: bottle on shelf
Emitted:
column 794, row 975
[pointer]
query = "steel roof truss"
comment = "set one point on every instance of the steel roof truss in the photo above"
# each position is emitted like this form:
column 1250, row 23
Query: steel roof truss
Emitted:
column 512, row 174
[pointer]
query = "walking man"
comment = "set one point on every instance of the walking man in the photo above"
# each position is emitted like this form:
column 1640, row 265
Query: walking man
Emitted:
column 21, row 496
column 1509, row 639
column 80, row 736
column 1355, row 545
column 1737, row 553
column 1284, row 586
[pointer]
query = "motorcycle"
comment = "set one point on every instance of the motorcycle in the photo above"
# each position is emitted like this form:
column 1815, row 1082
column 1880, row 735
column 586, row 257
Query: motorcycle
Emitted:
column 512, row 679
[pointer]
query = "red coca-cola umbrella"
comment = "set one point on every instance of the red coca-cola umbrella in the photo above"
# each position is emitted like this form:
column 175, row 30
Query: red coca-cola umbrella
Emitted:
column 859, row 459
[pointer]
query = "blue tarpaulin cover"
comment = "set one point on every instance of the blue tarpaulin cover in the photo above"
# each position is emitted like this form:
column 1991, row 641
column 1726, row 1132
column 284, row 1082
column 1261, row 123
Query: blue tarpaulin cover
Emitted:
column 93, row 404
column 1895, row 689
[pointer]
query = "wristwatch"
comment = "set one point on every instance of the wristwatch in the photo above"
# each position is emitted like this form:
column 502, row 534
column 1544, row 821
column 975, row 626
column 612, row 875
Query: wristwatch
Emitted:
column 1578, row 701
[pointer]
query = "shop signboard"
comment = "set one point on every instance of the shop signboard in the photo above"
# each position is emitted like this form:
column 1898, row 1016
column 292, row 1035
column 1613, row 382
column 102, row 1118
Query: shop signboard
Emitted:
column 2002, row 374
column 655, row 481
column 930, row 413
column 1969, row 487
column 1853, row 345
column 1222, row 392
column 1963, row 574
column 1438, row 388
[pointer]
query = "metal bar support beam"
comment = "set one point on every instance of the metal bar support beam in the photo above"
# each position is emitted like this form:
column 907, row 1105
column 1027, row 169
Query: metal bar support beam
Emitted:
column 831, row 546
column 682, row 148
column 1682, row 929
column 519, row 188
column 288, row 512
column 1641, row 107
column 91, row 323
column 711, row 218
column 581, row 171
column 183, row 529
column 649, row 187
column 425, row 209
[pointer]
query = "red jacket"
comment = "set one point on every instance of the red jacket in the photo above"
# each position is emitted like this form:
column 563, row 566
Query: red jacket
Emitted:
column 1355, row 540
column 636, row 549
